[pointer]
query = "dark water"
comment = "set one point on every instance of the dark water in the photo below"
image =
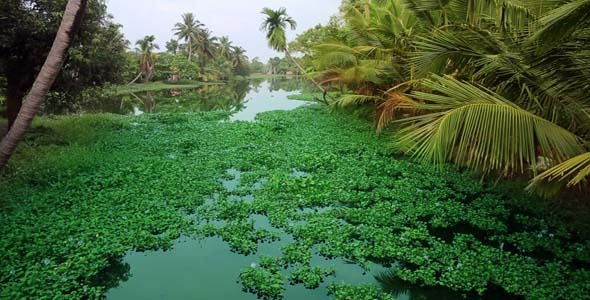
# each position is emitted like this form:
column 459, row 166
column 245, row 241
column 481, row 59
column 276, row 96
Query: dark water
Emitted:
column 243, row 99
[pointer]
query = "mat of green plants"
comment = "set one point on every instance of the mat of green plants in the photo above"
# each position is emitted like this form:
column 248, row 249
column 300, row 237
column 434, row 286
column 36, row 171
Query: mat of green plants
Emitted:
column 83, row 191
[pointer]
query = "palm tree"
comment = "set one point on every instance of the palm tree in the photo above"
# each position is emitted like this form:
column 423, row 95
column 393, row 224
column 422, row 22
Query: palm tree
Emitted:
column 188, row 31
column 239, row 58
column 275, row 25
column 274, row 64
column 146, row 46
column 496, row 86
column 44, row 81
column 206, row 45
column 225, row 47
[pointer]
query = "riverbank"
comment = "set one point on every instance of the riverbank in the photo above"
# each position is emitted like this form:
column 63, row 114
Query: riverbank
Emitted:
column 155, row 86
column 82, row 192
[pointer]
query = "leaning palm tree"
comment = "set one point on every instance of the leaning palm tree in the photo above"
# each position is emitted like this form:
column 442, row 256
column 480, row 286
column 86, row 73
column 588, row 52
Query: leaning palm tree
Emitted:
column 188, row 31
column 275, row 25
column 44, row 81
column 145, row 47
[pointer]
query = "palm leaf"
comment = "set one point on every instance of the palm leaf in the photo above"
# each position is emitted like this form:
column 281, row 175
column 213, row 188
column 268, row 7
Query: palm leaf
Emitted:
column 561, row 23
column 350, row 100
column 478, row 129
column 386, row 111
column 570, row 173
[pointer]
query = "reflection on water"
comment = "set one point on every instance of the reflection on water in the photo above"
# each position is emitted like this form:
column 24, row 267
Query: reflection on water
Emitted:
column 242, row 99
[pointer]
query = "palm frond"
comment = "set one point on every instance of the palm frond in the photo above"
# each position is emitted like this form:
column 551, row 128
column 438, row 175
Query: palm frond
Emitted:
column 350, row 100
column 571, row 173
column 478, row 129
column 560, row 23
column 386, row 111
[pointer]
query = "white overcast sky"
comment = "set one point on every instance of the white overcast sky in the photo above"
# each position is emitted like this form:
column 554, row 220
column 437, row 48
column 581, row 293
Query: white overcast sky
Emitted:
column 238, row 19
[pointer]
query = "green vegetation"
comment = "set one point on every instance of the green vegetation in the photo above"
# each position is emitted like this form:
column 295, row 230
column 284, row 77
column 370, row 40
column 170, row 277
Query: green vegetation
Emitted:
column 27, row 31
column 101, row 185
column 499, row 87
column 351, row 292
column 311, row 96
column 154, row 86
column 461, row 92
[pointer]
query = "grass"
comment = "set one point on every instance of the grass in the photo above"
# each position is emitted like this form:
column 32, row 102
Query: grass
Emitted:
column 83, row 191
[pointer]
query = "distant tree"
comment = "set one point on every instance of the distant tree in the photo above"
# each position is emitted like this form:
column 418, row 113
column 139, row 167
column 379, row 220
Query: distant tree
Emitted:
column 206, row 45
column 256, row 66
column 172, row 46
column 189, row 31
column 225, row 47
column 240, row 61
column 239, row 57
column 146, row 47
column 274, row 65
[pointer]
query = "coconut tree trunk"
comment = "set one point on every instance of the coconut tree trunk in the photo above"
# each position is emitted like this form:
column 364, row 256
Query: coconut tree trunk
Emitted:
column 190, row 49
column 288, row 54
column 45, row 79
column 136, row 78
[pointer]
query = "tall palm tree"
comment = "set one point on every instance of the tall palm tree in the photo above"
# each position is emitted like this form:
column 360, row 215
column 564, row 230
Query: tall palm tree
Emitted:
column 189, row 31
column 275, row 25
column 145, row 47
column 45, row 79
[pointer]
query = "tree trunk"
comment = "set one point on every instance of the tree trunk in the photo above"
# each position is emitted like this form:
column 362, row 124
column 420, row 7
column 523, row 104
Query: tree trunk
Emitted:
column 305, row 73
column 190, row 49
column 136, row 78
column 45, row 79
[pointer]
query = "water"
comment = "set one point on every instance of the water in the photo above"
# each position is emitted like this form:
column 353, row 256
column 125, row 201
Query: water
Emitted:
column 206, row 268
column 243, row 99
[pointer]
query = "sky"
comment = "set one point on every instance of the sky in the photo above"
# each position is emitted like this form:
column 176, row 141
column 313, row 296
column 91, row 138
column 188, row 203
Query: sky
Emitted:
column 238, row 19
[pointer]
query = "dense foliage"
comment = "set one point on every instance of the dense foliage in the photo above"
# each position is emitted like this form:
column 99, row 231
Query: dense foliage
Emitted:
column 84, row 190
column 27, row 29
column 496, row 86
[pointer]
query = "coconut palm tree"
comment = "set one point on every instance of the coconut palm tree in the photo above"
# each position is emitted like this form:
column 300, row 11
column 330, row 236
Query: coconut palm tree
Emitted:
column 189, row 31
column 239, row 58
column 145, row 47
column 225, row 47
column 206, row 45
column 496, row 86
column 54, row 62
column 275, row 25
